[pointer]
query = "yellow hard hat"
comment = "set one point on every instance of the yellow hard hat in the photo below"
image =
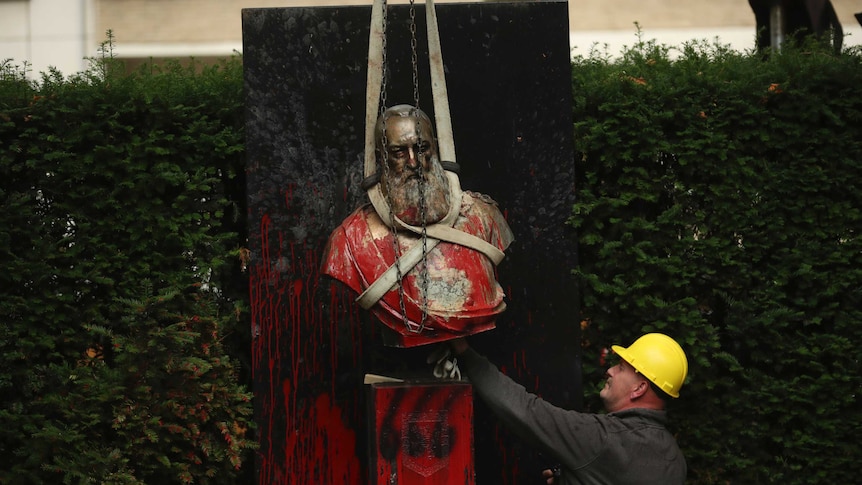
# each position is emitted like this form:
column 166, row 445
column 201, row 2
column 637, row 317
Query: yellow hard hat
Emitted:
column 658, row 358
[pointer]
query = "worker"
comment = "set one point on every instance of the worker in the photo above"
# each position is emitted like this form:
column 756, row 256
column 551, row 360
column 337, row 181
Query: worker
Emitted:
column 629, row 444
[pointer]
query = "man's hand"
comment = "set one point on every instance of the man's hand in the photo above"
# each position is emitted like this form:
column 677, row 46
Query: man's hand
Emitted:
column 444, row 368
column 551, row 475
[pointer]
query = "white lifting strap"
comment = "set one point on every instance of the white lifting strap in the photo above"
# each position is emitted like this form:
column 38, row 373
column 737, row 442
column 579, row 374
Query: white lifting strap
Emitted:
column 435, row 232
column 389, row 278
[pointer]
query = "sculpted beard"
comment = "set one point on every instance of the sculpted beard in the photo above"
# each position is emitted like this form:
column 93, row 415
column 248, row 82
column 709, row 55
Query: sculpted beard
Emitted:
column 408, row 188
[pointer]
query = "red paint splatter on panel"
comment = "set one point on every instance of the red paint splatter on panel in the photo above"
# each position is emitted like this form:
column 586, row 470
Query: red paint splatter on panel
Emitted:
column 288, row 194
column 422, row 433
column 305, row 434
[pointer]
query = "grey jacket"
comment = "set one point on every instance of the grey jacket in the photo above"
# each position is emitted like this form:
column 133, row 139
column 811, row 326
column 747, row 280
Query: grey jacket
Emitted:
column 626, row 447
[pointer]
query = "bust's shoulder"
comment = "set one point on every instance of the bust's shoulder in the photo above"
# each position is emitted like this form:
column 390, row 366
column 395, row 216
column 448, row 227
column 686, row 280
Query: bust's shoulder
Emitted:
column 482, row 198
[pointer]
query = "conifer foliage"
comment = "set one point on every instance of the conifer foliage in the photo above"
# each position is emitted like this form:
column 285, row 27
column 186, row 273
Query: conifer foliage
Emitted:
column 123, row 304
column 719, row 202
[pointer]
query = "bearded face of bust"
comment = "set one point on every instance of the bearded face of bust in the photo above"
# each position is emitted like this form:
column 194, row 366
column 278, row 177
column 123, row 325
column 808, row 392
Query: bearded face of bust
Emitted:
column 412, row 179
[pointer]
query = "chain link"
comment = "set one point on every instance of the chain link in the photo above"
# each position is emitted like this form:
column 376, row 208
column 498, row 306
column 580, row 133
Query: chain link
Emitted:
column 385, row 168
column 419, row 153
column 423, row 271
column 385, row 69
column 414, row 58
column 396, row 246
column 414, row 64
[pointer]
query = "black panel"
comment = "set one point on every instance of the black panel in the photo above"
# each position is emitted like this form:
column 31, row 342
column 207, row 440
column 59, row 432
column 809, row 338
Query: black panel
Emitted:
column 509, row 81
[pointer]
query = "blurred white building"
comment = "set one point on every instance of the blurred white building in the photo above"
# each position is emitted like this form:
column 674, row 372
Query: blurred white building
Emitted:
column 63, row 33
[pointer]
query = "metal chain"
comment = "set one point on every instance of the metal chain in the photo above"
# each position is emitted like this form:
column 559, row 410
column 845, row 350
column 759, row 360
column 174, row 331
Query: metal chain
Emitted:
column 383, row 61
column 385, row 155
column 423, row 271
column 414, row 59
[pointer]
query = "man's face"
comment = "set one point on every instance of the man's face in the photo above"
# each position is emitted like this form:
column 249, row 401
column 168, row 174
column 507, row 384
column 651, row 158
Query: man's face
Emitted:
column 620, row 381
column 409, row 148
column 413, row 178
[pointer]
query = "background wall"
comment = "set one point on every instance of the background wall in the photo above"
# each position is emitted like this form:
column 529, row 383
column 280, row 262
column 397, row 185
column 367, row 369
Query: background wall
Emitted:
column 62, row 32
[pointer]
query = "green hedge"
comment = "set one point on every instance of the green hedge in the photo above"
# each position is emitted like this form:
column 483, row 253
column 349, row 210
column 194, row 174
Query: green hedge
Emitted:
column 720, row 201
column 121, row 224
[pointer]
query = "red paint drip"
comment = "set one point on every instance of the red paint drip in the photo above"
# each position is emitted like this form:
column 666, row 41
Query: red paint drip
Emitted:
column 304, row 437
column 288, row 194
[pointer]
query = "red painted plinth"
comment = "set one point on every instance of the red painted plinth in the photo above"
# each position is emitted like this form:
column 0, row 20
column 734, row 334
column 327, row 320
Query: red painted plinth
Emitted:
column 421, row 433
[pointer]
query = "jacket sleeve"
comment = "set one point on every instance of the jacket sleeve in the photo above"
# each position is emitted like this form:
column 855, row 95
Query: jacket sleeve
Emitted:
column 574, row 439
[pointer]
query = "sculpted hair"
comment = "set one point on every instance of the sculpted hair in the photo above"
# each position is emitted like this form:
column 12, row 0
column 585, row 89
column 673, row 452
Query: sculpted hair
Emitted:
column 403, row 110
